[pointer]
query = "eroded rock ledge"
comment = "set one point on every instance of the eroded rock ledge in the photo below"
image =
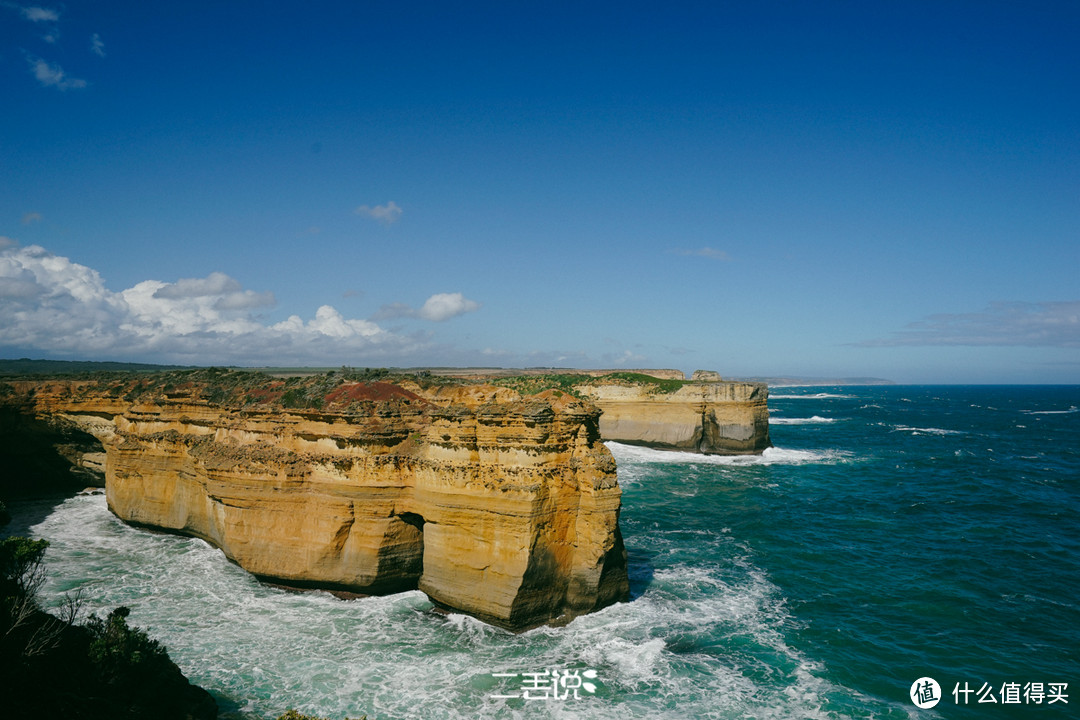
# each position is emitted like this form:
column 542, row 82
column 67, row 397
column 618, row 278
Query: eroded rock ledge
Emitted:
column 662, row 409
column 711, row 417
column 495, row 504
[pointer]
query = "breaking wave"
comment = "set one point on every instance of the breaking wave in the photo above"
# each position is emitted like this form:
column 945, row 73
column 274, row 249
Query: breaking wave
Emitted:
column 771, row 456
column 926, row 431
column 815, row 420
column 261, row 650
column 1070, row 411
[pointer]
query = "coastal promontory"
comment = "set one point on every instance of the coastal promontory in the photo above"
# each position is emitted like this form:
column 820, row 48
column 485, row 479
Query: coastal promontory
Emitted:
column 497, row 504
column 495, row 496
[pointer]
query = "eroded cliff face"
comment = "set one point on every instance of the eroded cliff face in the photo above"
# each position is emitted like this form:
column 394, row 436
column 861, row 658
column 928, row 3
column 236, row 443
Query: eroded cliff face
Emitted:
column 714, row 417
column 497, row 505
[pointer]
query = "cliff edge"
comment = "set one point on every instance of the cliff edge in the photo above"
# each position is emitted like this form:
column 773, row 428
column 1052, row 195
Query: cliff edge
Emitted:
column 713, row 417
column 494, row 504
column 654, row 408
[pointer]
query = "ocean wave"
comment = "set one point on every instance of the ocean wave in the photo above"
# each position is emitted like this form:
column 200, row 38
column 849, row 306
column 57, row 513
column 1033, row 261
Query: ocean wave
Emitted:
column 926, row 431
column 1070, row 411
column 267, row 649
column 815, row 420
column 634, row 454
column 815, row 396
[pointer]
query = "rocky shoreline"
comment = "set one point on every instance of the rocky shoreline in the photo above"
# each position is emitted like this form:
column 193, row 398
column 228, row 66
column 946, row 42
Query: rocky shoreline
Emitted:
column 497, row 498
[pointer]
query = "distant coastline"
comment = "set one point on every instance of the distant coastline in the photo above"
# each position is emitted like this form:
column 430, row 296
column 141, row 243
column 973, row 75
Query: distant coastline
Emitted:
column 26, row 366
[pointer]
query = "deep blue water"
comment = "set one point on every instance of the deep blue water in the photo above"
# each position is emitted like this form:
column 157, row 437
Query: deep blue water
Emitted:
column 893, row 533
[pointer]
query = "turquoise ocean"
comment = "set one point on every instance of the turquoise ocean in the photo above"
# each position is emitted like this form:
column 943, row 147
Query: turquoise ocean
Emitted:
column 893, row 533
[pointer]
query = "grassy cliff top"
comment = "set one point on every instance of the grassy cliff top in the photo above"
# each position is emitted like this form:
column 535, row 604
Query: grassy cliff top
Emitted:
column 302, row 388
column 569, row 382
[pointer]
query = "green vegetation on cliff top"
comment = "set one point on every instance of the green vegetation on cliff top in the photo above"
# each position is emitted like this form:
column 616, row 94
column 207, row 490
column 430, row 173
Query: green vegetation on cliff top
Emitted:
column 533, row 384
column 240, row 389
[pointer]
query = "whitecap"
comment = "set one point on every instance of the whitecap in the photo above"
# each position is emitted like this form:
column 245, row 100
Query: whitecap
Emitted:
column 815, row 396
column 270, row 649
column 926, row 431
column 815, row 420
column 629, row 455
column 1070, row 411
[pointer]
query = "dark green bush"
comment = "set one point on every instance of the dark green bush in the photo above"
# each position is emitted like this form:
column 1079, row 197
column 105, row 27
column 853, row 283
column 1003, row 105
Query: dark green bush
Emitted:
column 294, row 715
column 125, row 654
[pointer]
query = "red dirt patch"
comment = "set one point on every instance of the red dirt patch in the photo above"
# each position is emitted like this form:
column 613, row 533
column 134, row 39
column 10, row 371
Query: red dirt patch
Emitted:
column 269, row 394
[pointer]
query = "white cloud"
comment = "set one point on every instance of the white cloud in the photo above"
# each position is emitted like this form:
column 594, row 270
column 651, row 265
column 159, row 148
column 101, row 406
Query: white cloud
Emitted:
column 53, row 75
column 1045, row 324
column 437, row 308
column 49, row 303
column 97, row 46
column 245, row 300
column 386, row 214
column 23, row 286
column 443, row 306
column 39, row 14
column 31, row 217
column 213, row 284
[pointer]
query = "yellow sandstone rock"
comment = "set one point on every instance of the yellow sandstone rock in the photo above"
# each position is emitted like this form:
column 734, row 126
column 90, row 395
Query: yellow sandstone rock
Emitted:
column 496, row 505
column 712, row 417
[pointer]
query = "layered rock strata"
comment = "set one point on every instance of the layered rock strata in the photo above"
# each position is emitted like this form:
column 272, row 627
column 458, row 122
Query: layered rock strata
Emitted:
column 661, row 408
column 497, row 505
column 714, row 417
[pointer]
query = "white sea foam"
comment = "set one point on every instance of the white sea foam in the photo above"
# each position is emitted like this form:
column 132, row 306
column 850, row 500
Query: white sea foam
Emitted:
column 628, row 455
column 926, row 431
column 814, row 420
column 814, row 396
column 393, row 657
column 1070, row 411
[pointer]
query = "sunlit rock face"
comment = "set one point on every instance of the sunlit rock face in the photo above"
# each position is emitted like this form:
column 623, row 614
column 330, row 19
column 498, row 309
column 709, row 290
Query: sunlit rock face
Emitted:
column 497, row 505
column 713, row 417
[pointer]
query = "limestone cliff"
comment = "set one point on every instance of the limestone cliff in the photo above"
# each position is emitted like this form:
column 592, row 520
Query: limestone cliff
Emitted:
column 655, row 409
column 494, row 504
column 715, row 417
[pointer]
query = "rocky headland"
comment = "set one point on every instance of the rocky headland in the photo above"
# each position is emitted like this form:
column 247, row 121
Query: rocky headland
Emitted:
column 495, row 496
column 496, row 504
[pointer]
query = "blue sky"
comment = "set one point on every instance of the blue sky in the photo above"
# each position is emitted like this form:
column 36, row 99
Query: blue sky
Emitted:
column 884, row 189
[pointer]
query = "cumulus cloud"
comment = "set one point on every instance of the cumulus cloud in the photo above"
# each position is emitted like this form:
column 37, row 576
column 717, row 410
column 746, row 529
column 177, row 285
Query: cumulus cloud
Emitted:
column 437, row 308
column 49, row 303
column 96, row 45
column 213, row 284
column 443, row 306
column 1044, row 324
column 386, row 214
column 51, row 75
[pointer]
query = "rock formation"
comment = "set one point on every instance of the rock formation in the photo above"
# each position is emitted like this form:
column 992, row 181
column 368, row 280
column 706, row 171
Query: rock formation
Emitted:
column 495, row 504
column 661, row 409
column 712, row 417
